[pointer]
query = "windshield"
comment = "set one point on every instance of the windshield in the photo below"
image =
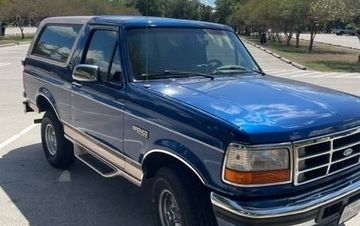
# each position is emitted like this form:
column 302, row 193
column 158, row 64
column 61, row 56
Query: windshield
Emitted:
column 214, row 52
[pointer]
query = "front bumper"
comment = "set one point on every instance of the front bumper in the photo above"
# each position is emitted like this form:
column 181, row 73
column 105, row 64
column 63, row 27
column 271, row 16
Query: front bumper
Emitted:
column 320, row 206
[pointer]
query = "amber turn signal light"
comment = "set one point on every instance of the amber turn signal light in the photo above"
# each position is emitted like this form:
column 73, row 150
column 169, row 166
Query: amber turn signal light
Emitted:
column 257, row 177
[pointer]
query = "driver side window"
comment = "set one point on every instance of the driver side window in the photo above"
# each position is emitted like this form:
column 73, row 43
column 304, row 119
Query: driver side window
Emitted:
column 101, row 51
column 115, row 73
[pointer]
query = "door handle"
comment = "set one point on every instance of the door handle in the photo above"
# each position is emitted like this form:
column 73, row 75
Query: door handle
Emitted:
column 76, row 84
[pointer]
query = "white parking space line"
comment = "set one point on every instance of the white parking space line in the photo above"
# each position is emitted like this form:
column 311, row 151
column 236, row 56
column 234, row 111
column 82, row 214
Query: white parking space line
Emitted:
column 65, row 176
column 284, row 73
column 17, row 136
column 11, row 57
column 319, row 75
column 4, row 64
column 8, row 52
column 276, row 71
column 344, row 75
column 294, row 74
column 313, row 74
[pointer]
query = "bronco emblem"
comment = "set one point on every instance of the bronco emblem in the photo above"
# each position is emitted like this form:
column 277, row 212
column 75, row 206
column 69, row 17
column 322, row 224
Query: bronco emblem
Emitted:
column 141, row 132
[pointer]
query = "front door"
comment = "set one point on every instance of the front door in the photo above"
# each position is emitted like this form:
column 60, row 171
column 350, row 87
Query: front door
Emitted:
column 96, row 107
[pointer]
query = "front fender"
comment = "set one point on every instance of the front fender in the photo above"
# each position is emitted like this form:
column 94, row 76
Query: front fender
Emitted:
column 189, row 158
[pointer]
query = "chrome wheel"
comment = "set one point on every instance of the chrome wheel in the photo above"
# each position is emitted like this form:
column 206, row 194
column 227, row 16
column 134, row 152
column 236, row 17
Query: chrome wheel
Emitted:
column 169, row 210
column 50, row 138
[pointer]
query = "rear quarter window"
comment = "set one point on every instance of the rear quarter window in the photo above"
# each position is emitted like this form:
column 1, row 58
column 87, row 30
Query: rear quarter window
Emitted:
column 56, row 41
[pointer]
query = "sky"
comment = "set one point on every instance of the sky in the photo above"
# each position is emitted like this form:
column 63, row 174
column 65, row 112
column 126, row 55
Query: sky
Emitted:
column 209, row 2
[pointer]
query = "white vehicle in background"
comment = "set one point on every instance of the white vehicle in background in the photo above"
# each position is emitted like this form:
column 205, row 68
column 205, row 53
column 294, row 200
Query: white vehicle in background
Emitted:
column 346, row 31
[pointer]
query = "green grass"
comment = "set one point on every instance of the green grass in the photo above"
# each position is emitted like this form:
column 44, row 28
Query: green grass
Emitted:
column 335, row 66
column 323, row 58
column 14, row 39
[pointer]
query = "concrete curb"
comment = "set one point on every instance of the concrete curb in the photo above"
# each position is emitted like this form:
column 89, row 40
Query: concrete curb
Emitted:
column 14, row 44
column 24, row 42
column 286, row 60
column 8, row 44
column 336, row 45
column 276, row 55
column 302, row 67
column 294, row 64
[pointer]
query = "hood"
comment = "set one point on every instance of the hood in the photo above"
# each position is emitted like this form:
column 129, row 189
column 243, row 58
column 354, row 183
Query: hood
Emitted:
column 269, row 109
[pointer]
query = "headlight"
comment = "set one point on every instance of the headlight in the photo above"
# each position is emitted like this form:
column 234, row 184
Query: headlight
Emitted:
column 256, row 166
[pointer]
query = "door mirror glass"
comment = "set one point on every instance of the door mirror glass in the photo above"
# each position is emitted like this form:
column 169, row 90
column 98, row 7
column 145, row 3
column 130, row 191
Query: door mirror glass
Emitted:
column 86, row 73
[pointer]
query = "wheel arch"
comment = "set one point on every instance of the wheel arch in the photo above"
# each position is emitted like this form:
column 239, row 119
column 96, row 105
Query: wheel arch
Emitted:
column 44, row 102
column 157, row 158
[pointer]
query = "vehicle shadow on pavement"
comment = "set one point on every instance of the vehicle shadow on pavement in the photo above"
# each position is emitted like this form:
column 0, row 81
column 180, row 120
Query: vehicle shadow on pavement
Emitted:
column 88, row 199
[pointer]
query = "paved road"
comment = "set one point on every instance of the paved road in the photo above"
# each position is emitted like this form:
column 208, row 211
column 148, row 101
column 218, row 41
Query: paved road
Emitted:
column 345, row 40
column 33, row 193
column 347, row 82
column 267, row 61
column 16, row 31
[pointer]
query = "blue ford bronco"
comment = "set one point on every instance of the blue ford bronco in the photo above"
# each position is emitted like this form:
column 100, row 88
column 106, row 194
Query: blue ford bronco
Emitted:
column 184, row 103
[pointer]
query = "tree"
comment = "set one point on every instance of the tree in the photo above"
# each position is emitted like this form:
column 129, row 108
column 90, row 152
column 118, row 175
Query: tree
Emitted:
column 294, row 14
column 319, row 14
column 347, row 11
column 151, row 7
column 1, row 19
column 48, row 8
column 223, row 10
column 265, row 16
column 288, row 17
column 246, row 14
column 25, row 12
column 183, row 9
column 17, row 11
column 271, row 17
column 206, row 13
column 237, row 17
column 105, row 7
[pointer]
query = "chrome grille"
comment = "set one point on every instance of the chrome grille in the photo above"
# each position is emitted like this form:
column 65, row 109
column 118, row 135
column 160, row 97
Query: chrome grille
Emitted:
column 322, row 157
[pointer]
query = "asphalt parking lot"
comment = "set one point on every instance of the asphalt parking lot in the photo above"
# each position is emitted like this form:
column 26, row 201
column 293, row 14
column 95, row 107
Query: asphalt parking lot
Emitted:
column 346, row 82
column 344, row 40
column 34, row 193
column 16, row 31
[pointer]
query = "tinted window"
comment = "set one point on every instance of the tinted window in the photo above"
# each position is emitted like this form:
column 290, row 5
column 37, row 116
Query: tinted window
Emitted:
column 101, row 50
column 56, row 42
column 116, row 71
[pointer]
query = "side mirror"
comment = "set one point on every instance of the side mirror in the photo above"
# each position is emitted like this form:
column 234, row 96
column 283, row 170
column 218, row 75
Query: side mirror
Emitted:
column 86, row 73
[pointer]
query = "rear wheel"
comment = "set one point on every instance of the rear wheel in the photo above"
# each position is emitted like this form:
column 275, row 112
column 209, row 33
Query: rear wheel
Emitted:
column 180, row 200
column 58, row 150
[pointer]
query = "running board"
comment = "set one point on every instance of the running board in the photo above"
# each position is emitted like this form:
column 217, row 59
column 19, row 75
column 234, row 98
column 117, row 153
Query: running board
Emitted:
column 100, row 155
column 98, row 164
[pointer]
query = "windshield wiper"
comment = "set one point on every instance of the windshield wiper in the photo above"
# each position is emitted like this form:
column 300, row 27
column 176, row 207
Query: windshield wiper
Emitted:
column 231, row 68
column 239, row 69
column 259, row 72
column 176, row 74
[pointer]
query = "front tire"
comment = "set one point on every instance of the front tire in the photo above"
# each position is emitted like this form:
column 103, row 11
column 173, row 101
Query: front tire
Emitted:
column 180, row 200
column 58, row 150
